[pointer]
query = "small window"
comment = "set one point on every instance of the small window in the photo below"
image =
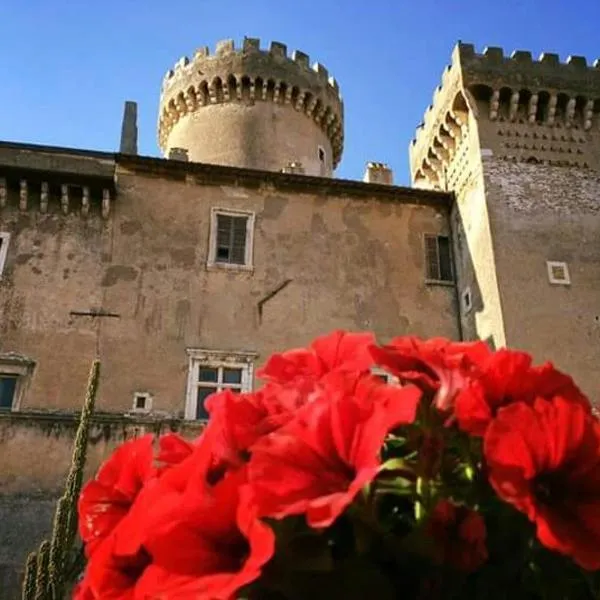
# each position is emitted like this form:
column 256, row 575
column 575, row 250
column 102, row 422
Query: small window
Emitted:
column 8, row 391
column 4, row 239
column 438, row 258
column 467, row 300
column 142, row 402
column 214, row 371
column 321, row 153
column 558, row 272
column 15, row 373
column 231, row 239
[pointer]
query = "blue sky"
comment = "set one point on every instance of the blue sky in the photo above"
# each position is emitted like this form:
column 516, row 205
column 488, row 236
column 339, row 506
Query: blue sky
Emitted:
column 66, row 67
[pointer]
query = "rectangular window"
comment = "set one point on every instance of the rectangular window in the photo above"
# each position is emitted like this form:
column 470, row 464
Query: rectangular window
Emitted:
column 4, row 239
column 8, row 389
column 231, row 241
column 438, row 258
column 142, row 402
column 213, row 371
column 558, row 272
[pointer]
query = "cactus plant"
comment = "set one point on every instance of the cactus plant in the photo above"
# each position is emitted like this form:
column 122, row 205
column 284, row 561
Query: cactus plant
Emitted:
column 56, row 565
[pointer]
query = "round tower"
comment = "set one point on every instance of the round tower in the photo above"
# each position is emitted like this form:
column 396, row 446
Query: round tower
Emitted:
column 252, row 108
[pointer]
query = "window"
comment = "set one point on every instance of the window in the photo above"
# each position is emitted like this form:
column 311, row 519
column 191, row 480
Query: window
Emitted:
column 438, row 258
column 322, row 161
column 558, row 272
column 15, row 371
column 467, row 300
column 142, row 402
column 4, row 239
column 8, row 388
column 212, row 371
column 231, row 234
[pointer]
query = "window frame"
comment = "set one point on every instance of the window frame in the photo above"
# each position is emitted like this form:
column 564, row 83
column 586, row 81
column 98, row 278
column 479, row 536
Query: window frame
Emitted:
column 16, row 365
column 550, row 265
column 216, row 359
column 147, row 405
column 432, row 280
column 213, row 262
column 4, row 242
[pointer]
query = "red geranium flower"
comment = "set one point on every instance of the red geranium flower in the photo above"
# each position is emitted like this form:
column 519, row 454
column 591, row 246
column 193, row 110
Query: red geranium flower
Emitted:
column 459, row 534
column 438, row 366
column 340, row 350
column 318, row 462
column 544, row 459
column 190, row 535
column 105, row 500
column 508, row 376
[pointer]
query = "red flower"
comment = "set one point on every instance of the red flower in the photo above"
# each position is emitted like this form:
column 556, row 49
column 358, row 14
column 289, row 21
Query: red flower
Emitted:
column 319, row 462
column 544, row 459
column 507, row 376
column 340, row 350
column 105, row 500
column 459, row 534
column 438, row 366
column 189, row 535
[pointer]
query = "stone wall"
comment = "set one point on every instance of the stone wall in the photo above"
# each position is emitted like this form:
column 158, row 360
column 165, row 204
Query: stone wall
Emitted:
column 353, row 261
column 544, row 213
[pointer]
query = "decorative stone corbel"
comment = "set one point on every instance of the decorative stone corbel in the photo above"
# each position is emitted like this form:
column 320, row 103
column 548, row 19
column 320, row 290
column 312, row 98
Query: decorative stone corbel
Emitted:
column 64, row 198
column 44, row 197
column 552, row 109
column 3, row 192
column 588, row 113
column 494, row 105
column 105, row 203
column 85, row 201
column 533, row 104
column 514, row 106
column 23, row 194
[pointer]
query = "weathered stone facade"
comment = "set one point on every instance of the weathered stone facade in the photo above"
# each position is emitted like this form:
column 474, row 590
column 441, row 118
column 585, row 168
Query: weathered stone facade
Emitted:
column 518, row 142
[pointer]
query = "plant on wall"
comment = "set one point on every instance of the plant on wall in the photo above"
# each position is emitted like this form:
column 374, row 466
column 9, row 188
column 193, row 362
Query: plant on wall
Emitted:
column 53, row 569
column 476, row 476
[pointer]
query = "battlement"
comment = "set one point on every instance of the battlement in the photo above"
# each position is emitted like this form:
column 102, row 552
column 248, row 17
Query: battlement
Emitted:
column 249, row 74
column 514, row 89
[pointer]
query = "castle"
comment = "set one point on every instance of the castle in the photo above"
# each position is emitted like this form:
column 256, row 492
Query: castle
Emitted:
column 183, row 273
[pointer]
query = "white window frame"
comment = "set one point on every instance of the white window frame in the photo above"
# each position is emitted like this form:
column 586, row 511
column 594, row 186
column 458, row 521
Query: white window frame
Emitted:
column 390, row 379
column 215, row 359
column 550, row 265
column 147, row 403
column 13, row 364
column 212, row 262
column 5, row 239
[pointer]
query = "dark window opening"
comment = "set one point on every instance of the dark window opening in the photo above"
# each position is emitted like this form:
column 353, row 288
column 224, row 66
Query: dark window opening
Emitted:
column 140, row 402
column 438, row 258
column 203, row 394
column 321, row 154
column 231, row 239
column 8, row 387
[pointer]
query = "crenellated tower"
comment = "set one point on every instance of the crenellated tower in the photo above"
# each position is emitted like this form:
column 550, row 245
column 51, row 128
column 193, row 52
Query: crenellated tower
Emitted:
column 518, row 141
column 254, row 108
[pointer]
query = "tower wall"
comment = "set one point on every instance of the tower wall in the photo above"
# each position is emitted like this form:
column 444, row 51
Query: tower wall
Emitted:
column 252, row 108
column 526, row 171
